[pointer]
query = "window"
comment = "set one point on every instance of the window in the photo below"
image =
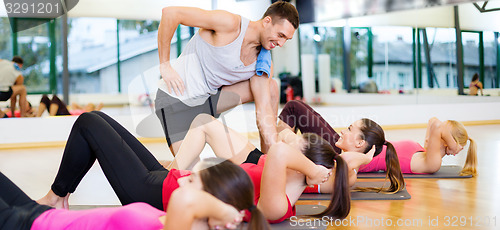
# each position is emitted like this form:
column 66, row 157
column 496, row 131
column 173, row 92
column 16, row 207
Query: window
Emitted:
column 359, row 56
column 324, row 40
column 34, row 47
column 92, row 52
column 470, row 41
column 490, row 60
column 392, row 53
column 138, row 50
column 5, row 39
column 442, row 52
column 402, row 80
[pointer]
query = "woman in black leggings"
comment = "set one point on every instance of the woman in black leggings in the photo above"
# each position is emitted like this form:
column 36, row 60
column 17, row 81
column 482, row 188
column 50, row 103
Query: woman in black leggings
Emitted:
column 133, row 172
column 19, row 212
column 26, row 210
column 136, row 176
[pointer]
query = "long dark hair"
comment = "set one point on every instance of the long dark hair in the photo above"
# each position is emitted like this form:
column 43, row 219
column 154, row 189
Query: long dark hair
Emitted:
column 319, row 151
column 373, row 134
column 475, row 77
column 232, row 185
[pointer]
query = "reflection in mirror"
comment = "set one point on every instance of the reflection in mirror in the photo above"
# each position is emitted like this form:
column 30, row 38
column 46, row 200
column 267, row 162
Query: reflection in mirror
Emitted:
column 412, row 54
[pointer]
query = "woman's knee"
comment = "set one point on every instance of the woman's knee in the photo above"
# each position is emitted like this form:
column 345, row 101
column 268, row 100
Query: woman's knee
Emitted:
column 56, row 100
column 19, row 89
column 291, row 105
column 98, row 113
column 288, row 111
column 45, row 100
column 87, row 119
column 201, row 120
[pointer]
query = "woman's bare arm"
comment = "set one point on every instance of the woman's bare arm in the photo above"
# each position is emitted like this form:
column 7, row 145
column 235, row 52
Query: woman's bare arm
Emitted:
column 187, row 205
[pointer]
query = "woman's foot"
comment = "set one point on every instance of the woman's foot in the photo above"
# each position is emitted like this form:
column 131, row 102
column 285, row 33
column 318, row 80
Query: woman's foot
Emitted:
column 55, row 201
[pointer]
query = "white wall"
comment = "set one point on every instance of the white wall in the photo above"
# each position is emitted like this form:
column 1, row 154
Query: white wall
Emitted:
column 286, row 58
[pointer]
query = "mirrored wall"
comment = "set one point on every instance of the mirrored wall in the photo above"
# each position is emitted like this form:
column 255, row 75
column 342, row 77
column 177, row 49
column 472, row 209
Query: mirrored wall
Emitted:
column 402, row 60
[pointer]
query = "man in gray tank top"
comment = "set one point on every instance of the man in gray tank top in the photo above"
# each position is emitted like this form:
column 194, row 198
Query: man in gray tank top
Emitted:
column 216, row 70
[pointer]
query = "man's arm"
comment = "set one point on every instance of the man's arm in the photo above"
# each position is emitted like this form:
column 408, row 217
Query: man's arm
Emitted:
column 19, row 80
column 265, row 113
column 217, row 20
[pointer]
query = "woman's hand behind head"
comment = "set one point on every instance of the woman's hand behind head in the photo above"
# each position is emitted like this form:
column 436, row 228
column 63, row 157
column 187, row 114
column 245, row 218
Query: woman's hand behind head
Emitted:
column 232, row 218
column 320, row 176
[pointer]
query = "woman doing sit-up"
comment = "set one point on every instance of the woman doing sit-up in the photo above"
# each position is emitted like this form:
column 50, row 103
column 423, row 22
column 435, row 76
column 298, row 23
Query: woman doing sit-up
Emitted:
column 19, row 212
column 355, row 141
column 281, row 175
column 136, row 176
column 442, row 138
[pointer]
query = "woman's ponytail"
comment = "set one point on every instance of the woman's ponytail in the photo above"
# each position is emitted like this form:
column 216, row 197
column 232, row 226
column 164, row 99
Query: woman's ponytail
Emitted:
column 471, row 161
column 257, row 220
column 340, row 204
column 393, row 170
column 232, row 185
column 460, row 135
column 393, row 173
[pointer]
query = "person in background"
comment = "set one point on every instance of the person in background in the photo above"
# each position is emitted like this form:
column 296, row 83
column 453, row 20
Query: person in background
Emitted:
column 189, row 207
column 219, row 67
column 12, row 84
column 475, row 85
column 56, row 107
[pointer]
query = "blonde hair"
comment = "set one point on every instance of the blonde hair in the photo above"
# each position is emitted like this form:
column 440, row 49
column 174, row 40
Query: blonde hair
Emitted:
column 460, row 135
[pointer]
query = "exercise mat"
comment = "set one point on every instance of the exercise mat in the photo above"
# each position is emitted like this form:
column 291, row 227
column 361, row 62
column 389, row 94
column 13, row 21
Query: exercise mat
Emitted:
column 449, row 171
column 401, row 195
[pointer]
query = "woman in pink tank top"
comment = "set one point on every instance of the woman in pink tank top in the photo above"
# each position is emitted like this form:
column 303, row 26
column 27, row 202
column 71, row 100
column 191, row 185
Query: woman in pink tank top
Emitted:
column 442, row 138
column 189, row 207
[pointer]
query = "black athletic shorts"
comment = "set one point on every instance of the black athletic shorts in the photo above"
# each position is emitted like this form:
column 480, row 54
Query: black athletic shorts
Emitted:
column 176, row 117
column 5, row 95
column 254, row 156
